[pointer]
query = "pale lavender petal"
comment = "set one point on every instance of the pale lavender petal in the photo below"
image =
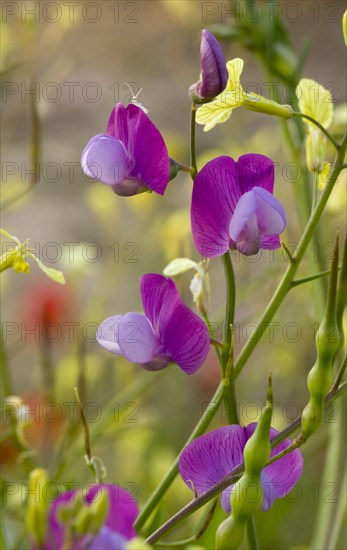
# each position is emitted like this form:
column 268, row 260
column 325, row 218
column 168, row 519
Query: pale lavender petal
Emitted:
column 107, row 334
column 209, row 458
column 244, row 229
column 256, row 170
column 136, row 338
column 215, row 195
column 257, row 215
column 285, row 472
column 214, row 74
column 159, row 298
column 85, row 153
column 107, row 540
column 144, row 145
column 185, row 338
column 123, row 509
column 104, row 158
column 270, row 213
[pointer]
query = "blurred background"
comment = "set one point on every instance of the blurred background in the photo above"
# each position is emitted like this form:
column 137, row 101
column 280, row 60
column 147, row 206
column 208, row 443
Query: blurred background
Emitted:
column 64, row 66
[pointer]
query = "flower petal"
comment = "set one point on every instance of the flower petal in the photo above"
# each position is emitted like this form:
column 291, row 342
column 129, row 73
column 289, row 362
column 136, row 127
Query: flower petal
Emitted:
column 215, row 195
column 108, row 540
column 182, row 334
column 270, row 213
column 256, row 170
column 209, row 458
column 213, row 113
column 257, row 215
column 144, row 145
column 137, row 340
column 214, row 74
column 107, row 334
column 123, row 509
column 185, row 338
column 159, row 297
column 105, row 159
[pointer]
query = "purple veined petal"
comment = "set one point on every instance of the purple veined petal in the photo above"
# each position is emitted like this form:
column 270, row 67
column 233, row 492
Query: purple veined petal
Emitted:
column 256, row 170
column 136, row 338
column 107, row 334
column 144, row 145
column 214, row 74
column 107, row 540
column 105, row 159
column 159, row 298
column 215, row 195
column 123, row 509
column 210, row 457
column 185, row 338
column 270, row 242
column 285, row 472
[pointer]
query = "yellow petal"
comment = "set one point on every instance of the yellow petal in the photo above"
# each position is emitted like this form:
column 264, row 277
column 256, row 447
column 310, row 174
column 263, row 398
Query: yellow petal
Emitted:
column 344, row 26
column 235, row 68
column 315, row 101
column 213, row 113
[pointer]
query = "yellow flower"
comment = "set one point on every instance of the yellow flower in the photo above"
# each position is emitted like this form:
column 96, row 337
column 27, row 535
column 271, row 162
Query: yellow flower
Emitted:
column 220, row 109
column 316, row 102
column 17, row 255
column 344, row 26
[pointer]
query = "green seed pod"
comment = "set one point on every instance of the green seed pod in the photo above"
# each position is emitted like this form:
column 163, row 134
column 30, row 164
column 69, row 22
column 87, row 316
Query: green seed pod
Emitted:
column 247, row 494
column 230, row 534
column 320, row 377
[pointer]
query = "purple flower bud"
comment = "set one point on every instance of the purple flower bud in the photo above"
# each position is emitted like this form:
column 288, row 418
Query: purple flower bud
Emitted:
column 214, row 74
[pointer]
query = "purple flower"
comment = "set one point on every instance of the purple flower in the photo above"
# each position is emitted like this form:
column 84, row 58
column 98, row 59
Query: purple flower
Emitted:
column 116, row 530
column 211, row 457
column 233, row 206
column 214, row 74
column 168, row 332
column 131, row 157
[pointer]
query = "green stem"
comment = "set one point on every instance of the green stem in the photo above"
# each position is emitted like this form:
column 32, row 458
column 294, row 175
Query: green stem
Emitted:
column 228, row 352
column 193, row 169
column 252, row 534
column 165, row 483
column 309, row 278
column 322, row 129
column 288, row 277
column 234, row 475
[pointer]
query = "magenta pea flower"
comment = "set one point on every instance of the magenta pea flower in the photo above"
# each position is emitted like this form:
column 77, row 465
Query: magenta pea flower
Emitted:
column 233, row 206
column 214, row 74
column 131, row 157
column 168, row 332
column 116, row 528
column 211, row 457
